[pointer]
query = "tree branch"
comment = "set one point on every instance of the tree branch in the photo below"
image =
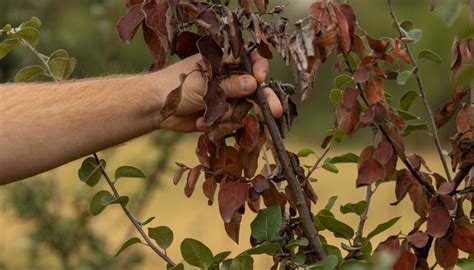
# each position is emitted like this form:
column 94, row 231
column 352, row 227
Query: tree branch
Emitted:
column 320, row 159
column 422, row 92
column 131, row 217
column 284, row 159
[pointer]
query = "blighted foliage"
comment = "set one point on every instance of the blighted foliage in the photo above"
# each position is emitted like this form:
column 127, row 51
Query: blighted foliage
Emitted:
column 281, row 192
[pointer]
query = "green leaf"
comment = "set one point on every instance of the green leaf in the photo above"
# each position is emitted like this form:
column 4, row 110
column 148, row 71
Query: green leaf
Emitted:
column 59, row 54
column 128, row 243
column 330, row 167
column 430, row 55
column 407, row 116
column 305, row 152
column 407, row 99
column 90, row 172
column 220, row 257
column 106, row 201
column 33, row 22
column 403, row 77
column 179, row 266
column 415, row 127
column 7, row 45
column 328, row 263
column 196, row 253
column 356, row 208
column 335, row 96
column 301, row 242
column 162, row 235
column 349, row 248
column 332, row 250
column 331, row 203
column 346, row 158
column 449, row 10
column 266, row 224
column 62, row 67
column 342, row 80
column 407, row 25
column 353, row 264
column 366, row 247
column 264, row 248
column 338, row 134
column 415, row 34
column 28, row 73
column 147, row 221
column 339, row 228
column 242, row 262
column 29, row 34
column 128, row 172
column 382, row 227
column 96, row 206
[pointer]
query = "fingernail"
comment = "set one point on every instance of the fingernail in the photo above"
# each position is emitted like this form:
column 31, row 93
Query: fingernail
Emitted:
column 245, row 84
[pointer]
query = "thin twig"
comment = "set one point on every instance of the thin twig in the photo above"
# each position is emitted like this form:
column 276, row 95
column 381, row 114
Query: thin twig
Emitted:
column 422, row 92
column 320, row 159
column 38, row 55
column 284, row 159
column 130, row 216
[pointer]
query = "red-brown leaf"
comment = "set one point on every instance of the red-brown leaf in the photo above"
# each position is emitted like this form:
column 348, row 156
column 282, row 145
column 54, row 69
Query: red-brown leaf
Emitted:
column 456, row 59
column 232, row 195
column 344, row 37
column 446, row 188
column 233, row 227
column 361, row 75
column 384, row 152
column 193, row 177
column 405, row 181
column 445, row 252
column 186, row 44
column 249, row 134
column 212, row 54
column 261, row 5
column 402, row 54
column 210, row 20
column 171, row 104
column 418, row 239
column 178, row 175
column 406, row 261
column 374, row 90
column 438, row 221
column 350, row 111
column 201, row 150
column 209, row 188
column 128, row 24
column 154, row 45
column 369, row 172
column 419, row 199
column 391, row 245
column 216, row 104
column 377, row 45
column 463, row 238
column 246, row 5
column 260, row 183
column 445, row 113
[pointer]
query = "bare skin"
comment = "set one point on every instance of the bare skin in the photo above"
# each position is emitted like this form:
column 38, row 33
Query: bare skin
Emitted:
column 46, row 125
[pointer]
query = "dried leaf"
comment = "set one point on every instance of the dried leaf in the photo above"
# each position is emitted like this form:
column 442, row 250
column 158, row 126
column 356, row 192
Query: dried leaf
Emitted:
column 418, row 239
column 233, row 227
column 260, row 183
column 344, row 37
column 419, row 199
column 463, row 237
column 193, row 177
column 391, row 245
column 209, row 188
column 456, row 58
column 445, row 252
column 444, row 113
column 406, row 261
column 249, row 134
column 172, row 102
column 128, row 24
column 402, row 54
column 369, row 172
column 384, row 152
column 202, row 150
column 405, row 180
column 186, row 44
column 246, row 5
column 374, row 91
column 232, row 195
column 208, row 17
column 438, row 221
column 212, row 55
column 216, row 105
column 178, row 175
column 261, row 5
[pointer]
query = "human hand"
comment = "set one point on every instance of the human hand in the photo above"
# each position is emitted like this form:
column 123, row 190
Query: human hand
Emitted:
column 189, row 115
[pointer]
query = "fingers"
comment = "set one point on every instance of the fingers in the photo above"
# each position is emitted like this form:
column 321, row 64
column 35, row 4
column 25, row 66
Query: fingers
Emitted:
column 260, row 67
column 238, row 86
column 273, row 102
column 181, row 123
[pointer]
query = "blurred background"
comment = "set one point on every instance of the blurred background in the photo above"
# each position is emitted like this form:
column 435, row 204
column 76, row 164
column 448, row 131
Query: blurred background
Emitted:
column 45, row 222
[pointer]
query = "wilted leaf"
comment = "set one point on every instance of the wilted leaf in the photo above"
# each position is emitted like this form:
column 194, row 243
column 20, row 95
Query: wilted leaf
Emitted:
column 405, row 180
column 186, row 44
column 260, row 183
column 162, row 235
column 438, row 221
column 449, row 108
column 406, row 261
column 430, row 55
column 266, row 224
column 232, row 195
column 128, row 24
column 233, row 227
column 369, row 172
column 463, row 237
column 196, row 253
column 216, row 105
column 374, row 91
column 418, row 239
column 361, row 75
column 29, row 73
column 249, row 134
column 193, row 177
column 391, row 246
column 172, row 102
column 445, row 252
column 128, row 243
column 209, row 188
column 212, row 54
column 178, row 175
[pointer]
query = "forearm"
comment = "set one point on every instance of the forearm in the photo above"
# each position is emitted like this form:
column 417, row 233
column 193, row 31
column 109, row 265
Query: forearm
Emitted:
column 49, row 124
